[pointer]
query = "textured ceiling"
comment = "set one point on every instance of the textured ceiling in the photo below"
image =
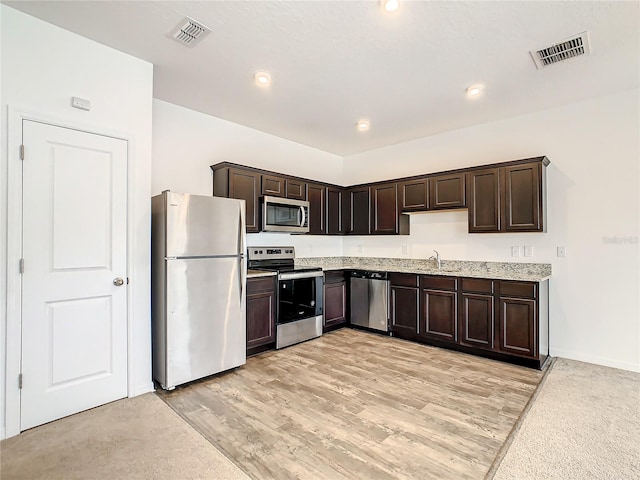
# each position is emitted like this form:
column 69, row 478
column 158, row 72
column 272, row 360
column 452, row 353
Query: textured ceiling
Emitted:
column 333, row 63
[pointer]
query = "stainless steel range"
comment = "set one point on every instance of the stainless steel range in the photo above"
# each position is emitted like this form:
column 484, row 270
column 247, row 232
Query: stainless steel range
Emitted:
column 299, row 300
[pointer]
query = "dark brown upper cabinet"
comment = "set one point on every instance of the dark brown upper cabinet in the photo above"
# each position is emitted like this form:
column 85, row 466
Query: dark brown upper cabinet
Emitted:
column 507, row 199
column 241, row 184
column 502, row 197
column 447, row 191
column 273, row 186
column 384, row 209
column 484, row 200
column 337, row 211
column 413, row 195
column 386, row 218
column 360, row 211
column 295, row 189
column 524, row 199
column 317, row 196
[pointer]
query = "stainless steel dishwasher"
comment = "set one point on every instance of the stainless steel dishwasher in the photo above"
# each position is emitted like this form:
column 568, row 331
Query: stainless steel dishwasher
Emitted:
column 370, row 300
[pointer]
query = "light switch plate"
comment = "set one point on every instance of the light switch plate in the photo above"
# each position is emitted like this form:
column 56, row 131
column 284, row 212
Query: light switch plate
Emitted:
column 405, row 249
column 528, row 251
column 515, row 251
column 561, row 252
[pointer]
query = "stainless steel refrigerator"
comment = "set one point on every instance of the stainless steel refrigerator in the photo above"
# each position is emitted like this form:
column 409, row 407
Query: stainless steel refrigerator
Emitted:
column 198, row 286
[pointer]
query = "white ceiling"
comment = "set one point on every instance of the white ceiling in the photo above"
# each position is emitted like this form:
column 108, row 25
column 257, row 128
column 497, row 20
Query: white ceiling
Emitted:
column 333, row 63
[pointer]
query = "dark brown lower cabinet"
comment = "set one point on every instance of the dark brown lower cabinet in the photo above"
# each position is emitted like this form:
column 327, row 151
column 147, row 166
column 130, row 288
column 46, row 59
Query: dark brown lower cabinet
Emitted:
column 404, row 305
column 438, row 308
column 503, row 319
column 335, row 300
column 261, row 313
column 517, row 326
column 476, row 320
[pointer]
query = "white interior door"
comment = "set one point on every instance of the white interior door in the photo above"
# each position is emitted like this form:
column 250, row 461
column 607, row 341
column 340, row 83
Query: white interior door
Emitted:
column 74, row 316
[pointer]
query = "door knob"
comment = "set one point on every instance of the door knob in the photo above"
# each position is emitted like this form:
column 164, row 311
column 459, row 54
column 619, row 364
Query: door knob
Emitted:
column 118, row 282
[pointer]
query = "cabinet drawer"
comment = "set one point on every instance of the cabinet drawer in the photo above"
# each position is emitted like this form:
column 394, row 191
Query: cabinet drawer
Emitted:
column 476, row 285
column 518, row 289
column 438, row 283
column 403, row 279
column 261, row 284
column 334, row 277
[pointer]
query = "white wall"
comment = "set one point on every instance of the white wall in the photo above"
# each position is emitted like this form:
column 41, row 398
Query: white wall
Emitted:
column 43, row 66
column 186, row 143
column 593, row 185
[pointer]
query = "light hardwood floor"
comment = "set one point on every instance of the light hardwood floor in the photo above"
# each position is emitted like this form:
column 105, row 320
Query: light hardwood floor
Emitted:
column 355, row 405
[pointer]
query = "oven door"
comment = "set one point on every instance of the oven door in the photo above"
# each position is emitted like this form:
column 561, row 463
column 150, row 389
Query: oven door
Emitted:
column 299, row 296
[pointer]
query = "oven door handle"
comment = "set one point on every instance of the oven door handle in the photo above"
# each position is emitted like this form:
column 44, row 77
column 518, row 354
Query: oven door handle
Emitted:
column 295, row 275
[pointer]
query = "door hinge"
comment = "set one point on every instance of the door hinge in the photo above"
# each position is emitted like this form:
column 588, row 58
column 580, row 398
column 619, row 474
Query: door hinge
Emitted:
column 21, row 267
column 22, row 152
column 20, row 382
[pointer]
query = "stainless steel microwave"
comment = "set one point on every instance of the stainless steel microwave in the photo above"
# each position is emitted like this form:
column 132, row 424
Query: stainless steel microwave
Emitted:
column 284, row 215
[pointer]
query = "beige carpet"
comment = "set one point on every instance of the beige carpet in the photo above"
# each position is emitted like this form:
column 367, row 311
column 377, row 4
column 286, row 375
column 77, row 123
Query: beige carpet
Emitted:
column 136, row 438
column 584, row 424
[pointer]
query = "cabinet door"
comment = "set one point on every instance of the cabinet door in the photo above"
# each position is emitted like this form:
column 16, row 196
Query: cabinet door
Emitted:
column 317, row 216
column 517, row 326
column 273, row 186
column 483, row 196
column 337, row 211
column 295, row 189
column 447, row 191
column 335, row 303
column 360, row 211
column 384, row 205
column 438, row 310
column 261, row 311
column 523, row 208
column 476, row 320
column 245, row 185
column 404, row 310
column 414, row 195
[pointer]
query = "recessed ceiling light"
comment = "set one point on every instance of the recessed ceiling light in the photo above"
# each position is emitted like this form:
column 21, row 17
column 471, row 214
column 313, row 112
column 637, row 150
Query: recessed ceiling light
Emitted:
column 474, row 90
column 363, row 125
column 390, row 5
column 263, row 78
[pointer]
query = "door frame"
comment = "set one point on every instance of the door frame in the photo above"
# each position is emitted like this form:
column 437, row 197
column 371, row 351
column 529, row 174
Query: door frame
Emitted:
column 12, row 346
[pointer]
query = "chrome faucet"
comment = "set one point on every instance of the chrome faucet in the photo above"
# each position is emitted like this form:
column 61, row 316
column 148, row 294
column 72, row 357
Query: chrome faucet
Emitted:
column 436, row 257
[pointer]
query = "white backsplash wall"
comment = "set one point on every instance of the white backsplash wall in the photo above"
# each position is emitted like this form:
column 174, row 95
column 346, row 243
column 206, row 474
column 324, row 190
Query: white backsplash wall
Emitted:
column 305, row 245
column 593, row 210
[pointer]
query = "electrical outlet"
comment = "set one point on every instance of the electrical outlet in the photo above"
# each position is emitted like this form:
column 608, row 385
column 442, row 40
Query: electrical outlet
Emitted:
column 359, row 248
column 528, row 251
column 515, row 251
column 405, row 249
column 561, row 252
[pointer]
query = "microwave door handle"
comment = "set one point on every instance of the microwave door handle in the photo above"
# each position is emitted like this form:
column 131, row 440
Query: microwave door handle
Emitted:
column 303, row 215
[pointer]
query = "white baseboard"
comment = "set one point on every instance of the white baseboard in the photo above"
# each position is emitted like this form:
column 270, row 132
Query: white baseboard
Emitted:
column 604, row 361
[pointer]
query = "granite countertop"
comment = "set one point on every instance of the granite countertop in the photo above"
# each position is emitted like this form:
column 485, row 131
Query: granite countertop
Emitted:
column 529, row 272
column 259, row 273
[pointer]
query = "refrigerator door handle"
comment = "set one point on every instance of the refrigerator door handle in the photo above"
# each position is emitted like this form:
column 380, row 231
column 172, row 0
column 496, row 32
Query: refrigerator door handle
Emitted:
column 241, row 249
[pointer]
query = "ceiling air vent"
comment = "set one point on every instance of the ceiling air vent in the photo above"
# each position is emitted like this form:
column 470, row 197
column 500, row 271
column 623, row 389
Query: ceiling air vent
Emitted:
column 564, row 50
column 189, row 32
